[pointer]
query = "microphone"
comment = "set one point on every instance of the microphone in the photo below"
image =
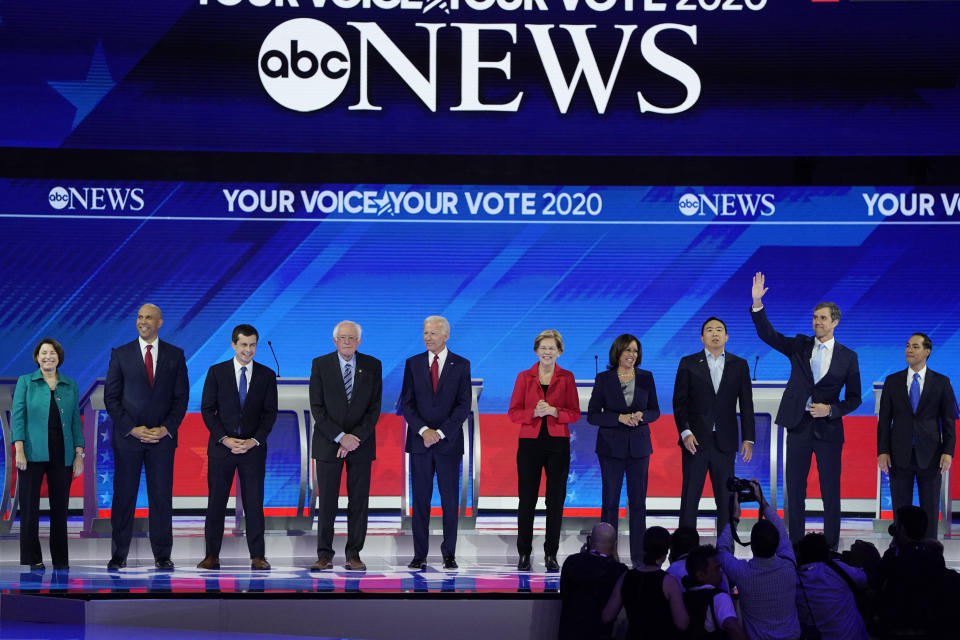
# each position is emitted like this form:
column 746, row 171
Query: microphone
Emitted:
column 755, row 363
column 270, row 344
column 596, row 365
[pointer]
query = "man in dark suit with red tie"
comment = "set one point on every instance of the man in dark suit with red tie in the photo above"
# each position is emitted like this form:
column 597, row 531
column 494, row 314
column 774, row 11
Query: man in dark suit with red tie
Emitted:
column 811, row 409
column 146, row 394
column 708, row 386
column 916, row 432
column 345, row 392
column 239, row 407
column 435, row 400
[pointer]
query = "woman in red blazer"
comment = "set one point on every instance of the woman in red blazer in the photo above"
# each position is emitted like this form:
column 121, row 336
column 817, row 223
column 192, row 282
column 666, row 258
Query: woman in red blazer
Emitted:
column 544, row 403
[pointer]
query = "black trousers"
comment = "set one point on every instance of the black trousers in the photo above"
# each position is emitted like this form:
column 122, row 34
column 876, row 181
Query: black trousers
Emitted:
column 59, row 479
column 250, row 467
column 612, row 471
column 423, row 466
column 801, row 445
column 928, row 488
column 157, row 460
column 358, row 504
column 533, row 456
column 720, row 464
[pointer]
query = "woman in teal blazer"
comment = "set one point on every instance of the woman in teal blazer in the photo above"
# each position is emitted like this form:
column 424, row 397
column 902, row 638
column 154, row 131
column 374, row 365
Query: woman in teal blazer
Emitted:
column 48, row 440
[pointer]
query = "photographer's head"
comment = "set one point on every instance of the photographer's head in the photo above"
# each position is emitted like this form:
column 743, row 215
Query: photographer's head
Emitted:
column 656, row 543
column 813, row 547
column 764, row 539
column 603, row 539
column 682, row 540
column 703, row 566
column 910, row 523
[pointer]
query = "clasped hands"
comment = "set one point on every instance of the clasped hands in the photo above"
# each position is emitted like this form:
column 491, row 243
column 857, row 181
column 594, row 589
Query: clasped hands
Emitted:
column 544, row 409
column 238, row 445
column 348, row 443
column 818, row 410
column 149, row 435
column 430, row 437
column 631, row 419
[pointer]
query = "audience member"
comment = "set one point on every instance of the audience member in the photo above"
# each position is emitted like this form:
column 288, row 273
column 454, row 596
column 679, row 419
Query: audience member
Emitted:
column 767, row 582
column 682, row 540
column 586, row 581
column 652, row 598
column 710, row 608
column 825, row 598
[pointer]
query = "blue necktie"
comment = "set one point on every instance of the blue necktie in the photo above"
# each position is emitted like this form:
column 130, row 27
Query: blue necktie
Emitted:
column 243, row 385
column 817, row 362
column 348, row 381
column 915, row 392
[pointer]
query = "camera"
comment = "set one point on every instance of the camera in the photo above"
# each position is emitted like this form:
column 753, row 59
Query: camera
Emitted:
column 742, row 488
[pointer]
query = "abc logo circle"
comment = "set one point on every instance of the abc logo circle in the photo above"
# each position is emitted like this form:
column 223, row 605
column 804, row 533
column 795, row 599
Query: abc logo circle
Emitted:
column 689, row 204
column 58, row 198
column 304, row 64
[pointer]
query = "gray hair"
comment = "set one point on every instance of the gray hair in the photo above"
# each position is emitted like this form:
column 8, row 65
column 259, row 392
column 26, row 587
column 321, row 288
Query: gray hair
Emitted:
column 439, row 320
column 336, row 329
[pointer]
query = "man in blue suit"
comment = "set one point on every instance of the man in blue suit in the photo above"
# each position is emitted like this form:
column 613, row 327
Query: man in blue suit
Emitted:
column 916, row 430
column 811, row 409
column 146, row 395
column 239, row 407
column 435, row 400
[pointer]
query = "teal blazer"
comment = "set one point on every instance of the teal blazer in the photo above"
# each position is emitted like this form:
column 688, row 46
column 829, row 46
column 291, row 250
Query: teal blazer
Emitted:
column 31, row 415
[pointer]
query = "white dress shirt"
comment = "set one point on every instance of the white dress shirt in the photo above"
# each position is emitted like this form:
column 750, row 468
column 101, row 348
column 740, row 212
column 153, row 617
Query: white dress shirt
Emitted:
column 923, row 377
column 153, row 352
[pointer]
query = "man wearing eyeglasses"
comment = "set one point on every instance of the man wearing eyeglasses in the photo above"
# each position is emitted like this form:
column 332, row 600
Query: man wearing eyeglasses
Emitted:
column 345, row 393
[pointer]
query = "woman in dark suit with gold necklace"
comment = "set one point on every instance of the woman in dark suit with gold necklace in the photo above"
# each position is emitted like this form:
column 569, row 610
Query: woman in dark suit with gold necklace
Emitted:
column 623, row 404
column 48, row 440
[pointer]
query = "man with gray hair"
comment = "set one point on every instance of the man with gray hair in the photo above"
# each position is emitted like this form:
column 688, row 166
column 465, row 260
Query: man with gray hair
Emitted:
column 345, row 392
column 435, row 400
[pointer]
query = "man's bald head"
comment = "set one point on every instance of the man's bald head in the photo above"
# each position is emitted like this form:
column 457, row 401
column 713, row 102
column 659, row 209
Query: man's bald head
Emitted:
column 149, row 321
column 603, row 538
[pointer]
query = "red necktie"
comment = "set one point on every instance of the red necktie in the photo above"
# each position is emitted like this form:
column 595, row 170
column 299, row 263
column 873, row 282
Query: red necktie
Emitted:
column 148, row 363
column 434, row 373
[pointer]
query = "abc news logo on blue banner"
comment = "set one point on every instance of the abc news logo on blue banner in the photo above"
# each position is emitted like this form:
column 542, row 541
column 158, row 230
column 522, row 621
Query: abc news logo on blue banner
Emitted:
column 746, row 205
column 96, row 198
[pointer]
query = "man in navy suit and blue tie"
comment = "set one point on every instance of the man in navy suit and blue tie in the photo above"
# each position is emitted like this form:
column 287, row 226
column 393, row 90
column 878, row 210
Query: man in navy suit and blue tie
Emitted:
column 146, row 395
column 435, row 400
column 916, row 431
column 239, row 407
column 811, row 409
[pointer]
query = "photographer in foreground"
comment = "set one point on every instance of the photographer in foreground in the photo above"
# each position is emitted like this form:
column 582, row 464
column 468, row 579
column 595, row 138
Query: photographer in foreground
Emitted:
column 767, row 582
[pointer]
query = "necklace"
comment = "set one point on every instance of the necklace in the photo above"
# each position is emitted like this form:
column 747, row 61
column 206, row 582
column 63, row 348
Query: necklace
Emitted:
column 625, row 376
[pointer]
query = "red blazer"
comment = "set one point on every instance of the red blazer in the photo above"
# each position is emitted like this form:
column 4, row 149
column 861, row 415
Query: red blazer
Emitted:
column 562, row 394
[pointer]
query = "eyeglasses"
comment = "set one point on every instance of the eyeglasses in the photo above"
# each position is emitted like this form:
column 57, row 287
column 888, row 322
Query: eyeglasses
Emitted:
column 347, row 338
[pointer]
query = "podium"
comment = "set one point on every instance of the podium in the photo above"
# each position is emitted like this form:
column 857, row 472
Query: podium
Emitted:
column 8, row 491
column 469, row 472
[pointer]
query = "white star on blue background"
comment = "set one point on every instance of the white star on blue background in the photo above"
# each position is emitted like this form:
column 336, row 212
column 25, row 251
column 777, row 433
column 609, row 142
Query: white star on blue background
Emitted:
column 87, row 94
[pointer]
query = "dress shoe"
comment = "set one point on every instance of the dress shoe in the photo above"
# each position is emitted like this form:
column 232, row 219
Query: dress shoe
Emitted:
column 417, row 564
column 37, row 566
column 551, row 563
column 116, row 564
column 164, row 564
column 450, row 563
column 210, row 562
column 355, row 564
column 524, row 563
column 323, row 563
column 260, row 564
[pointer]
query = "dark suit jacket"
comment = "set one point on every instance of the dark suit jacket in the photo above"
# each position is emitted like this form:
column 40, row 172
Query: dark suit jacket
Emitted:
column 844, row 372
column 615, row 439
column 222, row 413
column 934, row 423
column 445, row 409
column 131, row 402
column 333, row 415
column 697, row 407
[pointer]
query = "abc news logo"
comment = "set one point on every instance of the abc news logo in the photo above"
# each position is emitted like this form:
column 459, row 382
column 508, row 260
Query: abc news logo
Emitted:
column 298, row 78
column 747, row 205
column 97, row 198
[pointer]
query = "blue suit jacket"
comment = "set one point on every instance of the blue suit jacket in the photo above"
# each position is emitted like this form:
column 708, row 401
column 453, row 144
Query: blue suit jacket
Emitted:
column 843, row 374
column 933, row 425
column 615, row 439
column 132, row 402
column 223, row 415
column 445, row 409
